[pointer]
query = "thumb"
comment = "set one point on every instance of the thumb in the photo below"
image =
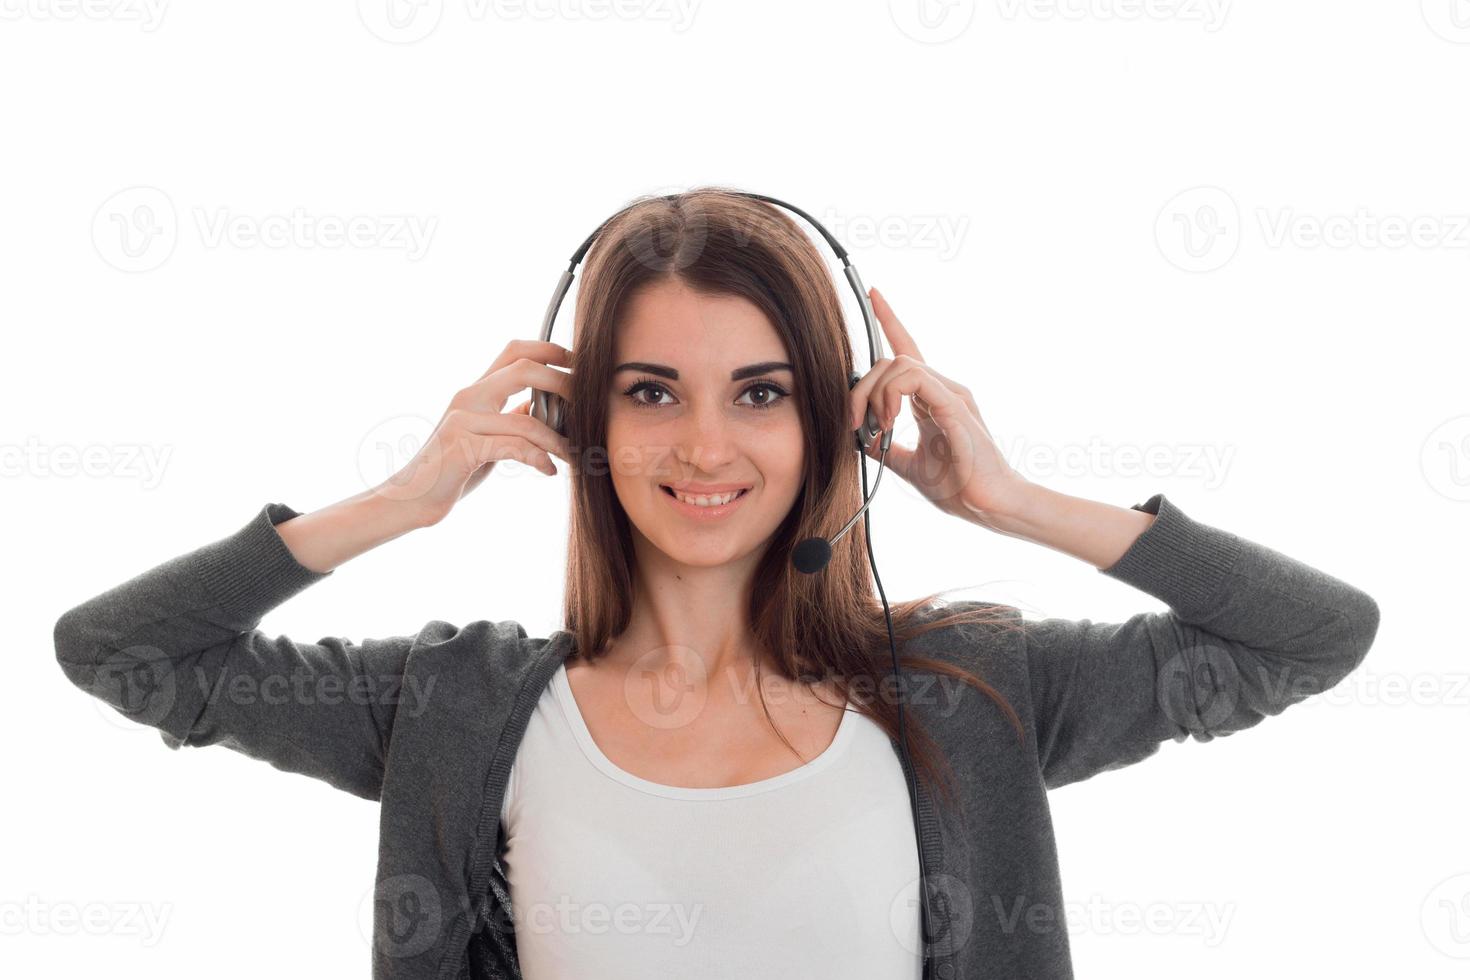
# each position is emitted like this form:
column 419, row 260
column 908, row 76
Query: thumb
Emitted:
column 898, row 456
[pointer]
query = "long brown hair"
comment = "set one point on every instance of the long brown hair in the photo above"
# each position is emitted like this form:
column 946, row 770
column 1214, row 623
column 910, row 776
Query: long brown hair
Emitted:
column 824, row 627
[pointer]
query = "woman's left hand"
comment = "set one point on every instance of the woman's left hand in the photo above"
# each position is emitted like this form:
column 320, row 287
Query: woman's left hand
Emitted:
column 956, row 464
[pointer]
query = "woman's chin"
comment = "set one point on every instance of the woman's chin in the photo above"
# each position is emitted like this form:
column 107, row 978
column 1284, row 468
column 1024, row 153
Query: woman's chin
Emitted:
column 703, row 549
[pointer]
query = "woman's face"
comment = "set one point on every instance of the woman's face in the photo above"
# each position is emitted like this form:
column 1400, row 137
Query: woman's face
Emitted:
column 702, row 397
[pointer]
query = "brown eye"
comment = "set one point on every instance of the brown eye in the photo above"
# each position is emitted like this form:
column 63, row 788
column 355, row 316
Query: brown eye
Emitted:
column 775, row 393
column 645, row 384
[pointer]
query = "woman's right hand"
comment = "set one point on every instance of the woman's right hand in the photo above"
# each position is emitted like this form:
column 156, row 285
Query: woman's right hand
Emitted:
column 475, row 433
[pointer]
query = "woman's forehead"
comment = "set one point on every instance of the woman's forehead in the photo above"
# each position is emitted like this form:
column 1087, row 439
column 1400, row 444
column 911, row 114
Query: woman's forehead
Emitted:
column 695, row 332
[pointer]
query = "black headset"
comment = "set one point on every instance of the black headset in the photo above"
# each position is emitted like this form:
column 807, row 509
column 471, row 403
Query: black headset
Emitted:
column 813, row 554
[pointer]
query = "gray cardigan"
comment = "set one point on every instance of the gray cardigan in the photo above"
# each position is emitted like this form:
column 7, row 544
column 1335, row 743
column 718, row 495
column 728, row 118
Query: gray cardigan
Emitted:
column 428, row 724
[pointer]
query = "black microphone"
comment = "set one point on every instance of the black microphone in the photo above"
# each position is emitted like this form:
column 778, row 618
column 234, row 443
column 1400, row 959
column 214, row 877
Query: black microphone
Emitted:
column 813, row 554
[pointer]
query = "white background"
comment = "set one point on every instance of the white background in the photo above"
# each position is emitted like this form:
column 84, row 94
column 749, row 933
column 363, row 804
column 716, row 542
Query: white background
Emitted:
column 1234, row 235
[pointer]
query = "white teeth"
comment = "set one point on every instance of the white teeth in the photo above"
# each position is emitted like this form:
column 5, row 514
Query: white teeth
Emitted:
column 704, row 501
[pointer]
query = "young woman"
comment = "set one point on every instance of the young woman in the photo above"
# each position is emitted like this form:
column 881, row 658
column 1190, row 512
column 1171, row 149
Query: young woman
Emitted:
column 699, row 775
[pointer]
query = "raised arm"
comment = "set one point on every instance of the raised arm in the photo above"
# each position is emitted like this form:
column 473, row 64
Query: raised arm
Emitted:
column 1249, row 632
column 176, row 648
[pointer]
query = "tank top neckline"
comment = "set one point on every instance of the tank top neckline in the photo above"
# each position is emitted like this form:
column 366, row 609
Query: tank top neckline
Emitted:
column 562, row 689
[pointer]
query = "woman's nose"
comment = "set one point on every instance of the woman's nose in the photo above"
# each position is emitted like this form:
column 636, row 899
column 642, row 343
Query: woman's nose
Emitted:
column 707, row 438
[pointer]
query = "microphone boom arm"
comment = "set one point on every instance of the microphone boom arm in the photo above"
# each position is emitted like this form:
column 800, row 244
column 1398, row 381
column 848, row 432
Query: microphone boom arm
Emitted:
column 873, row 493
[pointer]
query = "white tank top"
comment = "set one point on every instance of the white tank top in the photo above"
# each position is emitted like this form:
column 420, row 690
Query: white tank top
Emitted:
column 811, row 874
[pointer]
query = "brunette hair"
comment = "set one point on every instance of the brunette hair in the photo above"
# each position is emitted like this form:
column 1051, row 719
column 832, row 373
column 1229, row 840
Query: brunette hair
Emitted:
column 824, row 627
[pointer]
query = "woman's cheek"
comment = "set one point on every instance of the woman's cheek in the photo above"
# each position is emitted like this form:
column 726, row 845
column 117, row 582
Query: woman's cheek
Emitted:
column 782, row 450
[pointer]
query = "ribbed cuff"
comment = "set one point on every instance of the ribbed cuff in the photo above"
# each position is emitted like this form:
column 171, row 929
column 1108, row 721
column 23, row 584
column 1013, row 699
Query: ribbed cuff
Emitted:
column 1177, row 559
column 252, row 571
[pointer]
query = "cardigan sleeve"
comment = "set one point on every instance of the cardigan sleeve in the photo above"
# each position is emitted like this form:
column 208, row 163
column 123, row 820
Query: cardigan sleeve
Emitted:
column 177, row 648
column 1248, row 632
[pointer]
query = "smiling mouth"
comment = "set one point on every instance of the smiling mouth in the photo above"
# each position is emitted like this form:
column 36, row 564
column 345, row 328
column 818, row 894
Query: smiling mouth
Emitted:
column 713, row 498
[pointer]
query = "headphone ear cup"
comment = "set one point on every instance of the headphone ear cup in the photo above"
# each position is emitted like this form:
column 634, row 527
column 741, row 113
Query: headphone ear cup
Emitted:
column 870, row 427
column 551, row 409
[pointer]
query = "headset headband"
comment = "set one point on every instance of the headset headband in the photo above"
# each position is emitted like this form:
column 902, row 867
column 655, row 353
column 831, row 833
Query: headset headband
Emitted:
column 870, row 322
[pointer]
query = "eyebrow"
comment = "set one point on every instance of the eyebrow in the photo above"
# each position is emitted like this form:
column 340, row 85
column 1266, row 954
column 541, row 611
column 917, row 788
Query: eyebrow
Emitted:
column 739, row 374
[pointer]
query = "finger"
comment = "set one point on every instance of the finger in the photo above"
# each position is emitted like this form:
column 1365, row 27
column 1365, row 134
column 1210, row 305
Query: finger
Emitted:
column 861, row 393
column 543, row 350
column 916, row 380
column 493, row 448
column 490, row 392
column 921, row 407
column 957, row 388
column 898, row 457
column 521, row 425
column 898, row 336
column 870, row 391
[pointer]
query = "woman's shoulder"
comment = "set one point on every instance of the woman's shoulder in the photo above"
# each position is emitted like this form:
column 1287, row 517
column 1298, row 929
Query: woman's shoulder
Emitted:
column 474, row 673
column 979, row 618
column 970, row 633
column 503, row 645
